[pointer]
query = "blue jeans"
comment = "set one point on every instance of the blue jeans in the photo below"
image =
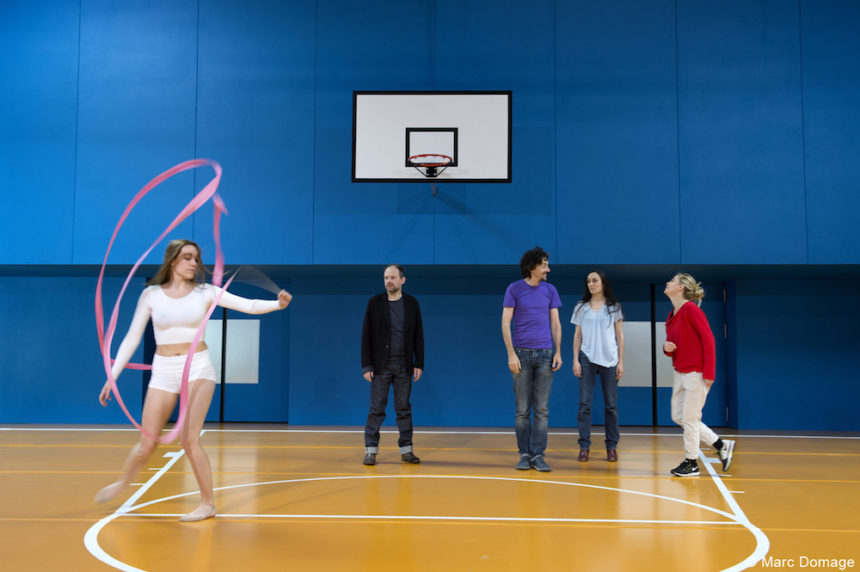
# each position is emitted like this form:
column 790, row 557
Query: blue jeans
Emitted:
column 394, row 373
column 586, row 400
column 532, row 386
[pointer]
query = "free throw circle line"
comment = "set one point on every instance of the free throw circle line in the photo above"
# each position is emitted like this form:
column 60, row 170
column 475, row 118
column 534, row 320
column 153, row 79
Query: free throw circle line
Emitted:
column 94, row 548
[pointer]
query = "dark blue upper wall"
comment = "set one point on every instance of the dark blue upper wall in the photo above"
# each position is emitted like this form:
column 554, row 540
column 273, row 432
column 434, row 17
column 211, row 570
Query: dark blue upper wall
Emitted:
column 685, row 132
column 49, row 352
column 794, row 352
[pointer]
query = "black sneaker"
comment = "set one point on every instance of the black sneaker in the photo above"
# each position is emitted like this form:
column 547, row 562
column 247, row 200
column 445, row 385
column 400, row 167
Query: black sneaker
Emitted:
column 370, row 459
column 726, row 454
column 410, row 458
column 687, row 468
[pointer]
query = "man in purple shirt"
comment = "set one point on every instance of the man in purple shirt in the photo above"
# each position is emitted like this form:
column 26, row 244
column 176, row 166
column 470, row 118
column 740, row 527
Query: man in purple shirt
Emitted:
column 534, row 353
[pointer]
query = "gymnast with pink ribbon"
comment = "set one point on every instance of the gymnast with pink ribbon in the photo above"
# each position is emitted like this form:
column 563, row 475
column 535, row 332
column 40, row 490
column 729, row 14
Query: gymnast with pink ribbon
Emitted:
column 179, row 303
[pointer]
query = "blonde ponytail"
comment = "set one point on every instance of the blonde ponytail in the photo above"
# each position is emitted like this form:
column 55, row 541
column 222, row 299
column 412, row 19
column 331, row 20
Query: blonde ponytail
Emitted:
column 692, row 290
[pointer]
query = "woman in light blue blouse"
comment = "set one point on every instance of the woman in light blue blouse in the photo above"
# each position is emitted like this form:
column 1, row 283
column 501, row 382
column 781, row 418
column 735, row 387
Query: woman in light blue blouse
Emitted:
column 598, row 348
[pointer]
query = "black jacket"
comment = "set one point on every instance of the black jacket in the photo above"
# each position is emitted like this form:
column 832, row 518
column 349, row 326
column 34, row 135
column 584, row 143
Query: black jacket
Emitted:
column 376, row 334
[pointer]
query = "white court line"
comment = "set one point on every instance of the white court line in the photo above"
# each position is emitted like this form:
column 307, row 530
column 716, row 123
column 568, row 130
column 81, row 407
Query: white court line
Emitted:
column 459, row 477
column 762, row 542
column 743, row 436
column 65, row 429
column 511, row 432
column 732, row 518
column 174, row 456
column 454, row 518
column 91, row 538
column 422, row 432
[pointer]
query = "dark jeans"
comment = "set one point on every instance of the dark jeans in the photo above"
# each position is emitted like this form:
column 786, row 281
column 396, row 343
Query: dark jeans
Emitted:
column 394, row 373
column 532, row 387
column 586, row 400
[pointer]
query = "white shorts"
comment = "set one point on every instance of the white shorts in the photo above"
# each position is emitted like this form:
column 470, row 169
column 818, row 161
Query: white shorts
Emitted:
column 167, row 370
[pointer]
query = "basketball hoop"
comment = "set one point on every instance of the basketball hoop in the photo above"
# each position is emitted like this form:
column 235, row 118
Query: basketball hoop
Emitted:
column 430, row 165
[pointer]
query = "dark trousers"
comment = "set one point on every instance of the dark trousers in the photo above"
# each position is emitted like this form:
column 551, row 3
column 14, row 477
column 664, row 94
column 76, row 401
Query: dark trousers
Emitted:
column 586, row 400
column 394, row 373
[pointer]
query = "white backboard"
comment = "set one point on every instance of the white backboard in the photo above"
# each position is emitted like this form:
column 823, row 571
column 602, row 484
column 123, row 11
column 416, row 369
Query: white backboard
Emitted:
column 473, row 128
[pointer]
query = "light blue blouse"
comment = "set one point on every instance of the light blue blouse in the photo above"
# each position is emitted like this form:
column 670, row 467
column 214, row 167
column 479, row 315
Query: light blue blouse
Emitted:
column 598, row 333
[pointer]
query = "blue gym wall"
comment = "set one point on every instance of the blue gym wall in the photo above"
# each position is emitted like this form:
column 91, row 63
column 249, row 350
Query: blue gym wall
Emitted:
column 647, row 137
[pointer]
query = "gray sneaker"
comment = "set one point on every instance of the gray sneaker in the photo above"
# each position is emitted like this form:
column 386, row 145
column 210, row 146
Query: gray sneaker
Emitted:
column 726, row 453
column 539, row 464
column 524, row 464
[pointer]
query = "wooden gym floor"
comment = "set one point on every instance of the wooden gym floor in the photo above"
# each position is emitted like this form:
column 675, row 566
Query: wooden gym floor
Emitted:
column 300, row 499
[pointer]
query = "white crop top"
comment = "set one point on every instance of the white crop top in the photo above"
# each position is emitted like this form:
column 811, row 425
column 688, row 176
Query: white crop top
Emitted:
column 175, row 320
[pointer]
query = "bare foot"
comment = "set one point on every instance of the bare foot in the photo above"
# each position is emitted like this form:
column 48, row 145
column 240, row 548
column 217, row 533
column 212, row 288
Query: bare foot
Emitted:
column 202, row 512
column 108, row 492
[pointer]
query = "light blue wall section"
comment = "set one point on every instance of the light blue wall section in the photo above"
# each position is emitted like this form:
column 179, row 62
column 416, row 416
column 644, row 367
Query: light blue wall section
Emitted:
column 831, row 117
column 255, row 116
column 740, row 133
column 367, row 46
column 38, row 117
column 136, row 117
column 617, row 133
column 495, row 45
column 710, row 133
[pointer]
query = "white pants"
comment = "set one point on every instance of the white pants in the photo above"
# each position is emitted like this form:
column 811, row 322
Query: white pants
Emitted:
column 688, row 398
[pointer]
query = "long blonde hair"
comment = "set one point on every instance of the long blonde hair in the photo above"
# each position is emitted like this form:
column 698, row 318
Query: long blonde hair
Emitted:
column 692, row 290
column 173, row 249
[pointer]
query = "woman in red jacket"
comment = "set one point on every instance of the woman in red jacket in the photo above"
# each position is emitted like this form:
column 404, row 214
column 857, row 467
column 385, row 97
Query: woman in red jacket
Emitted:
column 690, row 344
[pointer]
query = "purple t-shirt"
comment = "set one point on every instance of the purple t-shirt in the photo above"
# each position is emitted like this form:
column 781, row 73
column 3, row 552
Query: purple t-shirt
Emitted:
column 531, row 304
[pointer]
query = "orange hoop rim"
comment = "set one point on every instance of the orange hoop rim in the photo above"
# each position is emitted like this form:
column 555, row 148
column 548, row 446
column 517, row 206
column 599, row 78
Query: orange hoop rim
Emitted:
column 425, row 165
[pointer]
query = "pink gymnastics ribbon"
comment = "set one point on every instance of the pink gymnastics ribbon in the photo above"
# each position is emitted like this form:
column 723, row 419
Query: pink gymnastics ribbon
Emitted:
column 105, row 339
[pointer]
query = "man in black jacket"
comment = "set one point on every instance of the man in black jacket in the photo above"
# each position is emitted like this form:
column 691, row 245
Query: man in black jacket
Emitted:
column 392, row 353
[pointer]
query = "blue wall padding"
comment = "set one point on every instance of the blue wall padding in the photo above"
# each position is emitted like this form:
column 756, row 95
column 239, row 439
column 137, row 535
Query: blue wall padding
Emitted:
column 52, row 370
column 647, row 136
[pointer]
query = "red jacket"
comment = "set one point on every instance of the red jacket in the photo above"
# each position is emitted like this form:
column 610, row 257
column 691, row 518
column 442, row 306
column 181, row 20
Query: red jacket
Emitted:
column 688, row 329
